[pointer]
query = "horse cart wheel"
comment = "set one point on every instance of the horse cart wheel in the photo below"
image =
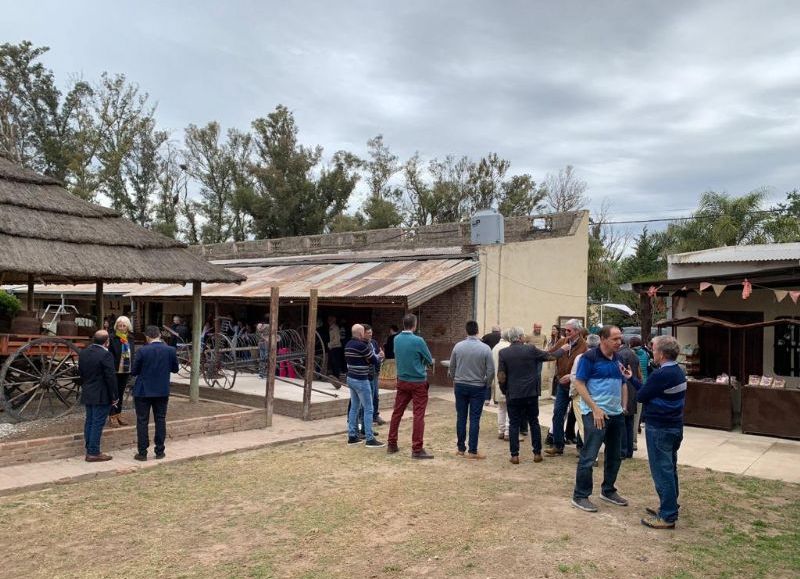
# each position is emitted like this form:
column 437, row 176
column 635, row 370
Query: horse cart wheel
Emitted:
column 218, row 362
column 40, row 379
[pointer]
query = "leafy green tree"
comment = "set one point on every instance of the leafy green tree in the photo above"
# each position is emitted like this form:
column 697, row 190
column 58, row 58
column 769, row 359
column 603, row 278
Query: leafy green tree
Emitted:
column 287, row 199
column 37, row 122
column 345, row 222
column 382, row 207
column 784, row 227
column 648, row 260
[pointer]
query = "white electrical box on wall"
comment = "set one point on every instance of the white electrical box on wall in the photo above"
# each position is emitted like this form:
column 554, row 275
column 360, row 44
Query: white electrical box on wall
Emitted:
column 488, row 228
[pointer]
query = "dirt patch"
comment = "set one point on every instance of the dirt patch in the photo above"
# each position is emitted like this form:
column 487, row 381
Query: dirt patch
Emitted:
column 323, row 509
column 179, row 409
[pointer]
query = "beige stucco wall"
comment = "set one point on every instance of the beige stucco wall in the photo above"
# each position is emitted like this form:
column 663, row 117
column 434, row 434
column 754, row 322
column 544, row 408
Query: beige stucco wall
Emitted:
column 538, row 280
column 760, row 301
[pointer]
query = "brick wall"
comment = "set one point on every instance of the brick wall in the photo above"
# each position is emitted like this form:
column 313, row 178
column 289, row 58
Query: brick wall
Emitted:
column 55, row 447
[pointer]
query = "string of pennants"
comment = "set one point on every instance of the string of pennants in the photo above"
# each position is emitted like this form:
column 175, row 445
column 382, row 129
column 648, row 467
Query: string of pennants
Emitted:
column 747, row 290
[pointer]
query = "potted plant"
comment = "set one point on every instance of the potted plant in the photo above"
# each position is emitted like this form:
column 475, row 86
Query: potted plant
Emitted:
column 9, row 306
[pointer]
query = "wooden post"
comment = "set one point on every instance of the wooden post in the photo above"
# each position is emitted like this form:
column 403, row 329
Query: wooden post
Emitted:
column 98, row 302
column 30, row 292
column 273, row 352
column 197, row 329
column 645, row 317
column 217, row 332
column 310, row 348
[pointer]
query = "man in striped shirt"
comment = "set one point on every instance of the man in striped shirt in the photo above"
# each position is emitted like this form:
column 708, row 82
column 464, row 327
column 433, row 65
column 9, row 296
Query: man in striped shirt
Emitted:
column 360, row 357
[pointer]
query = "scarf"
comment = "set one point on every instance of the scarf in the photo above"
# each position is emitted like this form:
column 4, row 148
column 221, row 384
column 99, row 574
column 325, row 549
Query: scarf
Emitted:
column 125, row 355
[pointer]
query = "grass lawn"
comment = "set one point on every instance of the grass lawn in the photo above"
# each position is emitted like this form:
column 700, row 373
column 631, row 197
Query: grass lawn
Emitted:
column 322, row 509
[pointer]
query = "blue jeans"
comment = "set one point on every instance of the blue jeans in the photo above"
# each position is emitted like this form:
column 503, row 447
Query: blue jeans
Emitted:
column 523, row 412
column 360, row 397
column 560, row 407
column 469, row 399
column 611, row 434
column 263, row 356
column 662, row 453
column 628, row 437
column 96, row 416
column 375, row 412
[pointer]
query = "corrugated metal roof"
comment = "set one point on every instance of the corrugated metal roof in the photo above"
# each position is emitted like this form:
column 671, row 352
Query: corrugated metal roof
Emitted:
column 744, row 253
column 351, row 256
column 416, row 281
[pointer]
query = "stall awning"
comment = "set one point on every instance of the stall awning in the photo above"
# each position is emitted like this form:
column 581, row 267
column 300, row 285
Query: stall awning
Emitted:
column 408, row 282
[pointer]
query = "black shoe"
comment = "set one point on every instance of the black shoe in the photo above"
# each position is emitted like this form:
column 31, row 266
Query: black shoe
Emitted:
column 421, row 454
column 569, row 441
column 351, row 440
column 374, row 443
column 379, row 421
column 362, row 436
column 140, row 456
column 549, row 439
column 160, row 455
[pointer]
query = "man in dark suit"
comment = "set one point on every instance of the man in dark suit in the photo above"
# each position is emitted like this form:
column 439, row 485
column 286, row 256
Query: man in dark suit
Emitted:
column 518, row 376
column 98, row 392
column 152, row 367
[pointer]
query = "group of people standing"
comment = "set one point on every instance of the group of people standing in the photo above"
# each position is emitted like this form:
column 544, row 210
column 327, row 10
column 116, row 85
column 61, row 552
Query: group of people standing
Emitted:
column 106, row 366
column 604, row 385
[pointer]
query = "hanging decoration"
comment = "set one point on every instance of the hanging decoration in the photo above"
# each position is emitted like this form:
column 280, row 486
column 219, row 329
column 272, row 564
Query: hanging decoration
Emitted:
column 780, row 295
column 653, row 290
column 718, row 288
column 704, row 285
column 747, row 289
column 794, row 295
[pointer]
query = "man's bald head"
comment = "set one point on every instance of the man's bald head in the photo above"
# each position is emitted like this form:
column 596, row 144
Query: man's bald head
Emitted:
column 358, row 331
column 100, row 337
column 497, row 329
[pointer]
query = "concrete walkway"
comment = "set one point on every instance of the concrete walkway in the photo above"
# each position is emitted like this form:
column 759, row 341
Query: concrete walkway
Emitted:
column 25, row 477
column 734, row 452
column 758, row 456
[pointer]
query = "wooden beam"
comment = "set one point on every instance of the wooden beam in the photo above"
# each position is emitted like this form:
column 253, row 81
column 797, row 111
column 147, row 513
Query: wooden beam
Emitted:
column 98, row 303
column 311, row 336
column 269, row 399
column 30, row 292
column 197, row 329
column 645, row 317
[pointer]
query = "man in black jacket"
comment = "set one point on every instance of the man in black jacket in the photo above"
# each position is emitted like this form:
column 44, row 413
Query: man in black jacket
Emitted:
column 98, row 392
column 518, row 376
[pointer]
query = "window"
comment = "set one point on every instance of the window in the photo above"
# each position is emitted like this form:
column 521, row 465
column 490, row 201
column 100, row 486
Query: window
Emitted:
column 787, row 348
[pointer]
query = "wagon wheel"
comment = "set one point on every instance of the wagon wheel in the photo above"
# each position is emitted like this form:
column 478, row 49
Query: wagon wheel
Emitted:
column 40, row 379
column 320, row 358
column 184, row 352
column 219, row 362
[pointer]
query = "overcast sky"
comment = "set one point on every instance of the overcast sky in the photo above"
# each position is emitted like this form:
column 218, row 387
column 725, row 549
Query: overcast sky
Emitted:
column 652, row 102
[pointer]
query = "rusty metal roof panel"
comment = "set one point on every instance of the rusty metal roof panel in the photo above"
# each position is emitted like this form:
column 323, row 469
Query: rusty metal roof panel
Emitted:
column 411, row 279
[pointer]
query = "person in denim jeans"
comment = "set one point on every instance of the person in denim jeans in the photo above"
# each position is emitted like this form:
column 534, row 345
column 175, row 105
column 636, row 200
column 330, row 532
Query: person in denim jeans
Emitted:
column 599, row 380
column 360, row 357
column 663, row 396
column 472, row 370
column 576, row 345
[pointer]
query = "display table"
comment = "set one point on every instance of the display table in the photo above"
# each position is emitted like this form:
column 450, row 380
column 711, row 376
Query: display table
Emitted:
column 708, row 404
column 772, row 411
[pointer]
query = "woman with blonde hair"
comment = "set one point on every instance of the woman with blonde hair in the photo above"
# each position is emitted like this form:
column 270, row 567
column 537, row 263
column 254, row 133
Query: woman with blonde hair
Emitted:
column 121, row 347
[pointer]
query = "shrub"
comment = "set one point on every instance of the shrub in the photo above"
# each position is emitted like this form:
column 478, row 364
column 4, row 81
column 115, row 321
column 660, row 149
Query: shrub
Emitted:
column 9, row 304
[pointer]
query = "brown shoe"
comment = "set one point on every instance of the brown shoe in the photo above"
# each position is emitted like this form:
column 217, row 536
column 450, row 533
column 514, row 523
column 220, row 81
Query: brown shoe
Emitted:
column 97, row 457
column 658, row 523
column 553, row 451
column 421, row 454
column 113, row 421
column 537, row 458
column 501, row 436
column 460, row 452
column 476, row 455
column 391, row 448
column 505, row 437
column 514, row 460
column 120, row 421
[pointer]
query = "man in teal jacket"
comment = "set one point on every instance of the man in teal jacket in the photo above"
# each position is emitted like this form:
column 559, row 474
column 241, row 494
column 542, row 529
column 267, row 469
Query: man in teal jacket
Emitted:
column 413, row 358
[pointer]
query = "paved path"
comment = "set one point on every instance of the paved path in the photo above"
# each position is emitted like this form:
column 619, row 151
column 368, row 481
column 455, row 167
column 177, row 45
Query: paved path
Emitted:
column 734, row 452
column 759, row 456
column 33, row 476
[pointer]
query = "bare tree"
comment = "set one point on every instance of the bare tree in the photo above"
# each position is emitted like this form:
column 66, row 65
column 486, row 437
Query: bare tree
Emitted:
column 566, row 191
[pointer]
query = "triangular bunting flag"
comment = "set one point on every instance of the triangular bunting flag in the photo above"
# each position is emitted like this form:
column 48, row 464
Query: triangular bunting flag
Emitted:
column 794, row 295
column 704, row 285
column 780, row 295
column 718, row 288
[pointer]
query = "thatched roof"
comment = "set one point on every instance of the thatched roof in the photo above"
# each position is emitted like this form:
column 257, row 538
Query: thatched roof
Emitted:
column 57, row 237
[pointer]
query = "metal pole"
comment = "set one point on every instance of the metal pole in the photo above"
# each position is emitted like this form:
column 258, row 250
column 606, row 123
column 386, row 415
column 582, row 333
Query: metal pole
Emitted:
column 274, row 297
column 310, row 347
column 197, row 329
column 98, row 302
column 30, row 292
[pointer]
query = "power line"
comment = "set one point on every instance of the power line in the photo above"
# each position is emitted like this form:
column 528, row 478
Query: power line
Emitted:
column 690, row 218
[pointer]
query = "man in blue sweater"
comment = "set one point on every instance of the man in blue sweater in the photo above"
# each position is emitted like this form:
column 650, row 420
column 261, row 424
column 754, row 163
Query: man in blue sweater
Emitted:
column 663, row 396
column 360, row 358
